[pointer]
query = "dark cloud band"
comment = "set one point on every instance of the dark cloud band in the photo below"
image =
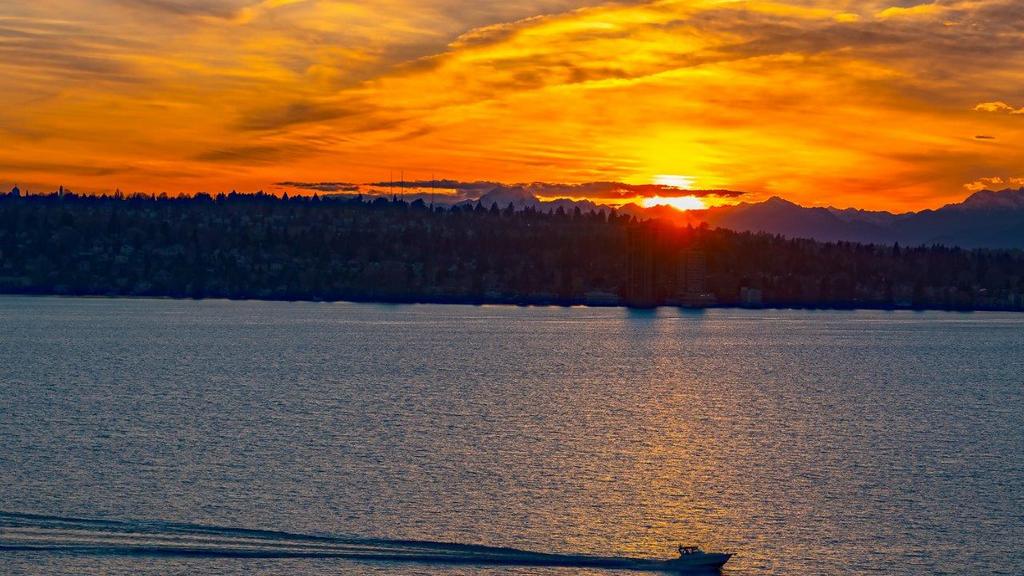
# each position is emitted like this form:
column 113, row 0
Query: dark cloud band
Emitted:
column 474, row 189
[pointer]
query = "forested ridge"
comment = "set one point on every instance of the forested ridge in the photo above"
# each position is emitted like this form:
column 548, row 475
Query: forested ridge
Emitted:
column 310, row 248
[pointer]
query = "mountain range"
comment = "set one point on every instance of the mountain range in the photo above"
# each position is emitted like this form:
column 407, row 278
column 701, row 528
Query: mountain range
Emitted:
column 986, row 219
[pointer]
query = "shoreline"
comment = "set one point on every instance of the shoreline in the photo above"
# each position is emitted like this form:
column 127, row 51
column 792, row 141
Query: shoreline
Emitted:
column 520, row 303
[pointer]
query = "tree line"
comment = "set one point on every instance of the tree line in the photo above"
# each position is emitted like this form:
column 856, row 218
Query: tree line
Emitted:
column 352, row 248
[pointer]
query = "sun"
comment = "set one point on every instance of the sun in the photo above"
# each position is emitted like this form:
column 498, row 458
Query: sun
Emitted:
column 678, row 202
column 675, row 181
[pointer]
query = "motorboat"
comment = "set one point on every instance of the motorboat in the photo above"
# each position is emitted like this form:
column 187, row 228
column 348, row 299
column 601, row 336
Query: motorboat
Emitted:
column 692, row 557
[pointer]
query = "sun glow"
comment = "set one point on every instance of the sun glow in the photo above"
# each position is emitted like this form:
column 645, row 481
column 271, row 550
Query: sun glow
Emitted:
column 678, row 202
column 253, row 94
column 675, row 181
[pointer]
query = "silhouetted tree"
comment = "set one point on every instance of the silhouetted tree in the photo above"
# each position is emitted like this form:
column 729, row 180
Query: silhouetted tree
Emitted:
column 260, row 246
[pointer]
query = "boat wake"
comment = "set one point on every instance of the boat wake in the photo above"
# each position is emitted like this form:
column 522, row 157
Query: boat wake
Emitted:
column 38, row 533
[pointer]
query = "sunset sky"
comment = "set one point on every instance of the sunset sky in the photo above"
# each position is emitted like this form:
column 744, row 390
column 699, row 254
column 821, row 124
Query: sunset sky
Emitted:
column 880, row 105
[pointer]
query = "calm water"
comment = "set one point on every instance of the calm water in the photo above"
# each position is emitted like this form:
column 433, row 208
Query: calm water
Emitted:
column 807, row 442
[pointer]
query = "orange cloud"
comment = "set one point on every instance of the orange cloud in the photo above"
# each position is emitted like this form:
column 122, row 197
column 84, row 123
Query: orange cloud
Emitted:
column 998, row 107
column 994, row 183
column 916, row 11
column 865, row 104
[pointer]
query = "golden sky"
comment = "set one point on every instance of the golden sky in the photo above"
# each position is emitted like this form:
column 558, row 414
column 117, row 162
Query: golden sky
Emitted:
column 881, row 105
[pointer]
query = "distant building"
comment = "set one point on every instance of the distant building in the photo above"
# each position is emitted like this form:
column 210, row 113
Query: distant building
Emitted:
column 690, row 281
column 15, row 192
column 641, row 289
column 695, row 270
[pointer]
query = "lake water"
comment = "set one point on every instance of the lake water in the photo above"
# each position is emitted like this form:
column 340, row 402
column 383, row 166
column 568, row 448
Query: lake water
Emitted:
column 806, row 442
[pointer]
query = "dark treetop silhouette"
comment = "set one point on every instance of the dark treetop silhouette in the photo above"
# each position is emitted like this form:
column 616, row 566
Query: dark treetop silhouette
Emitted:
column 261, row 246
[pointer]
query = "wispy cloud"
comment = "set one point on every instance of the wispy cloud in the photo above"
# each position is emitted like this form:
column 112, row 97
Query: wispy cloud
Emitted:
column 998, row 107
column 994, row 183
column 257, row 154
column 473, row 190
column 884, row 104
column 321, row 186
